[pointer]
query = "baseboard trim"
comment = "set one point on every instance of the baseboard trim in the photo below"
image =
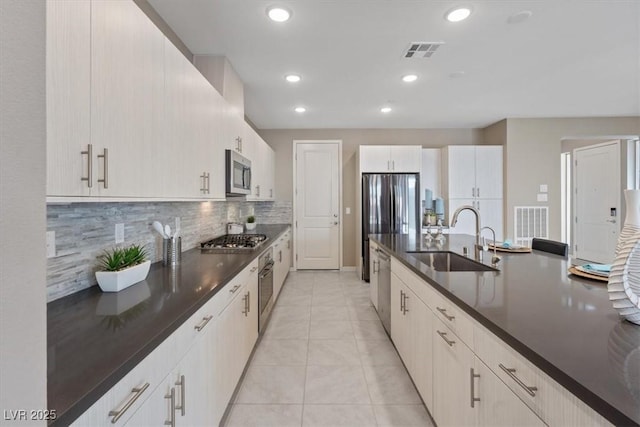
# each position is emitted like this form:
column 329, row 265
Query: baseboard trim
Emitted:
column 348, row 268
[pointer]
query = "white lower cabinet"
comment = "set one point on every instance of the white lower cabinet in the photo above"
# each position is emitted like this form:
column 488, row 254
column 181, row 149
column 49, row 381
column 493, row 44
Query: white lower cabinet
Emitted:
column 452, row 361
column 190, row 377
column 282, row 262
column 374, row 267
column 465, row 375
column 411, row 322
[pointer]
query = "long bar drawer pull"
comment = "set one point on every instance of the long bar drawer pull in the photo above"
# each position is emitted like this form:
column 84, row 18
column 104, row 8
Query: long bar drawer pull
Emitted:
column 202, row 324
column 172, row 413
column 89, row 177
column 182, row 385
column 235, row 288
column 474, row 399
column 531, row 390
column 444, row 313
column 137, row 392
column 443, row 336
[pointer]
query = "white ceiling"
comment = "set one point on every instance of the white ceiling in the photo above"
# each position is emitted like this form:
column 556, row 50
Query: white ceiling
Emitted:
column 572, row 58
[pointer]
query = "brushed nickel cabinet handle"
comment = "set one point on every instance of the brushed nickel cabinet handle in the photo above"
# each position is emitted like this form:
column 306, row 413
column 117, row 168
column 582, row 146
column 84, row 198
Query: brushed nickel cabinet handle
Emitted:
column 181, row 383
column 105, row 159
column 531, row 390
column 172, row 412
column 393, row 165
column 234, row 289
column 271, row 192
column 203, row 323
column 288, row 244
column 280, row 253
column 137, row 392
column 249, row 302
column 402, row 301
column 89, row 177
column 443, row 336
column 474, row 399
column 244, row 310
column 444, row 313
column 203, row 187
column 253, row 269
column 406, row 310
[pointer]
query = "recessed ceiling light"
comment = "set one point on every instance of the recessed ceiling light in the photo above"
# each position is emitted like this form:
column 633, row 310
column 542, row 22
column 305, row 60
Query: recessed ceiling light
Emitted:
column 519, row 17
column 293, row 78
column 300, row 110
column 409, row 78
column 458, row 14
column 278, row 14
column 385, row 110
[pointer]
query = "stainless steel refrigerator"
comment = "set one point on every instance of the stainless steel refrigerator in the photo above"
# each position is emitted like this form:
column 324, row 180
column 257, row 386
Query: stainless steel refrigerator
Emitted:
column 390, row 204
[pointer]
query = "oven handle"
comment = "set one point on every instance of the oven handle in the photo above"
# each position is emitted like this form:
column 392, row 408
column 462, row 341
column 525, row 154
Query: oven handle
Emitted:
column 268, row 269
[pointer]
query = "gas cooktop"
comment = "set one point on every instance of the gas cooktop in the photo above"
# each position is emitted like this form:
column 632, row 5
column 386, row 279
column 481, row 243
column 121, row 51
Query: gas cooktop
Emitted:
column 234, row 242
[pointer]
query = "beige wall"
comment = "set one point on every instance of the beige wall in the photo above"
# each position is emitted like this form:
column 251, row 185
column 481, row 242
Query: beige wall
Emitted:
column 532, row 157
column 495, row 134
column 281, row 141
column 23, row 310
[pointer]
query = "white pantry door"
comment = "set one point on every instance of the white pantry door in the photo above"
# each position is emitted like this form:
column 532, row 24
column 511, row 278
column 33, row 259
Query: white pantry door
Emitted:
column 597, row 201
column 317, row 205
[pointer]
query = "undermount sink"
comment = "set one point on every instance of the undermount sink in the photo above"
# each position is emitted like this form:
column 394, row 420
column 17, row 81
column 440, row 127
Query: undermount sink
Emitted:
column 449, row 261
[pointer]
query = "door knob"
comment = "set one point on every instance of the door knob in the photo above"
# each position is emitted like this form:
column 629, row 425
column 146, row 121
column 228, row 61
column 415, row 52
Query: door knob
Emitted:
column 335, row 222
column 335, row 215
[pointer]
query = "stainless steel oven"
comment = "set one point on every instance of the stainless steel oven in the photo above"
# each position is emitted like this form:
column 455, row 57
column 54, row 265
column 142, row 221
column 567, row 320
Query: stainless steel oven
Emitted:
column 265, row 288
column 238, row 174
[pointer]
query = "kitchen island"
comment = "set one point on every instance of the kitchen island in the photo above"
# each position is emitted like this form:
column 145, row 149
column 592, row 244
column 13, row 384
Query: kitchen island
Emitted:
column 96, row 338
column 564, row 325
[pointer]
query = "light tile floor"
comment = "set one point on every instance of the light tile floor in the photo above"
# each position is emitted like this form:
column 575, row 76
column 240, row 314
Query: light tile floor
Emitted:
column 325, row 360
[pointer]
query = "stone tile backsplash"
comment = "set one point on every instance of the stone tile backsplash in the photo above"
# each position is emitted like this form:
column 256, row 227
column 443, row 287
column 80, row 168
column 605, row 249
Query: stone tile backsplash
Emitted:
column 84, row 230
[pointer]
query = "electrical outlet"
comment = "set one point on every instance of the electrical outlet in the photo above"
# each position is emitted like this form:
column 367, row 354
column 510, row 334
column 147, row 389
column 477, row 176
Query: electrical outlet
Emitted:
column 120, row 233
column 544, row 188
column 542, row 197
column 51, row 244
column 177, row 223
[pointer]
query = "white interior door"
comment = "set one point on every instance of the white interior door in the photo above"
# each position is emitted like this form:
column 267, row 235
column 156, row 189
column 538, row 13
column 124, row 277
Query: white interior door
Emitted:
column 597, row 201
column 317, row 205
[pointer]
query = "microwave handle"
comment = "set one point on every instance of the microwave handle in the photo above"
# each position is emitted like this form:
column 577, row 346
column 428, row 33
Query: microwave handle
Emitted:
column 246, row 177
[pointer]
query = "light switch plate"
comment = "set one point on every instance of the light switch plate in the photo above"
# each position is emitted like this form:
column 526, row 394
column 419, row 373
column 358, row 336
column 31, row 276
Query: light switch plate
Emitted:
column 544, row 188
column 51, row 244
column 542, row 197
column 119, row 233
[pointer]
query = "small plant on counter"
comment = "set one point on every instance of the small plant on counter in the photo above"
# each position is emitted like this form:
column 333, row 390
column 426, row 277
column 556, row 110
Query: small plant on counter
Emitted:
column 251, row 219
column 118, row 259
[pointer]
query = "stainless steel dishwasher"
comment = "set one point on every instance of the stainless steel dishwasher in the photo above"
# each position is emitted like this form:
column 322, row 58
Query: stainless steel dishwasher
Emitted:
column 384, row 289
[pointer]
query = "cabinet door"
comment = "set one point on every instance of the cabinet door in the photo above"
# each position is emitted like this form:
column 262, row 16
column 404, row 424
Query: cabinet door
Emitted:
column 489, row 172
column 406, row 158
column 452, row 363
column 461, row 172
column 491, row 216
column 498, row 405
column 270, row 168
column 127, row 58
column 68, row 95
column 400, row 326
column 373, row 274
column 422, row 320
column 375, row 158
column 251, row 317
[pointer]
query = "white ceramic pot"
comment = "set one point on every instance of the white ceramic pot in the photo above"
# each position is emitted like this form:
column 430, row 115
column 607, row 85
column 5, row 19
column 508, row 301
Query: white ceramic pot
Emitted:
column 624, row 279
column 250, row 225
column 114, row 281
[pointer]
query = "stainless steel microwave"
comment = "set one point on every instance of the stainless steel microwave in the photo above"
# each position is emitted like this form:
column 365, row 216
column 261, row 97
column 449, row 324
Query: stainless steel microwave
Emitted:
column 238, row 176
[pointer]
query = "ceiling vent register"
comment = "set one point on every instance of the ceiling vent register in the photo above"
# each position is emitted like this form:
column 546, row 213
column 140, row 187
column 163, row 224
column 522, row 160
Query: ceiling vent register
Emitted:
column 422, row 49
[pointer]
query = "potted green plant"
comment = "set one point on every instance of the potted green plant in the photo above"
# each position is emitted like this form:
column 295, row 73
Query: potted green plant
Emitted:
column 251, row 222
column 122, row 267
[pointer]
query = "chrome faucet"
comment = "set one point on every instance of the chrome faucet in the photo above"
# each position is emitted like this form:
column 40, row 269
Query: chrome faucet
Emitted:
column 454, row 220
column 495, row 259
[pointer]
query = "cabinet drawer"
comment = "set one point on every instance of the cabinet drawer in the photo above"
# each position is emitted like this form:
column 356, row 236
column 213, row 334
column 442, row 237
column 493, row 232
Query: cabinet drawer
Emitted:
column 550, row 401
column 452, row 316
column 234, row 287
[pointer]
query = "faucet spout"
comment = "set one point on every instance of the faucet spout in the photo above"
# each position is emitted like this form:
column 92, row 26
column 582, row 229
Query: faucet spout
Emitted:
column 454, row 220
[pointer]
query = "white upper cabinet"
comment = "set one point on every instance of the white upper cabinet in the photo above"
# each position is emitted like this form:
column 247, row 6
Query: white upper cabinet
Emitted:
column 127, row 85
column 472, row 172
column 69, row 166
column 391, row 158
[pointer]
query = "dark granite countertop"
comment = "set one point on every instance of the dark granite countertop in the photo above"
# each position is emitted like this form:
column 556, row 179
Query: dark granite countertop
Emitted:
column 563, row 324
column 95, row 338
